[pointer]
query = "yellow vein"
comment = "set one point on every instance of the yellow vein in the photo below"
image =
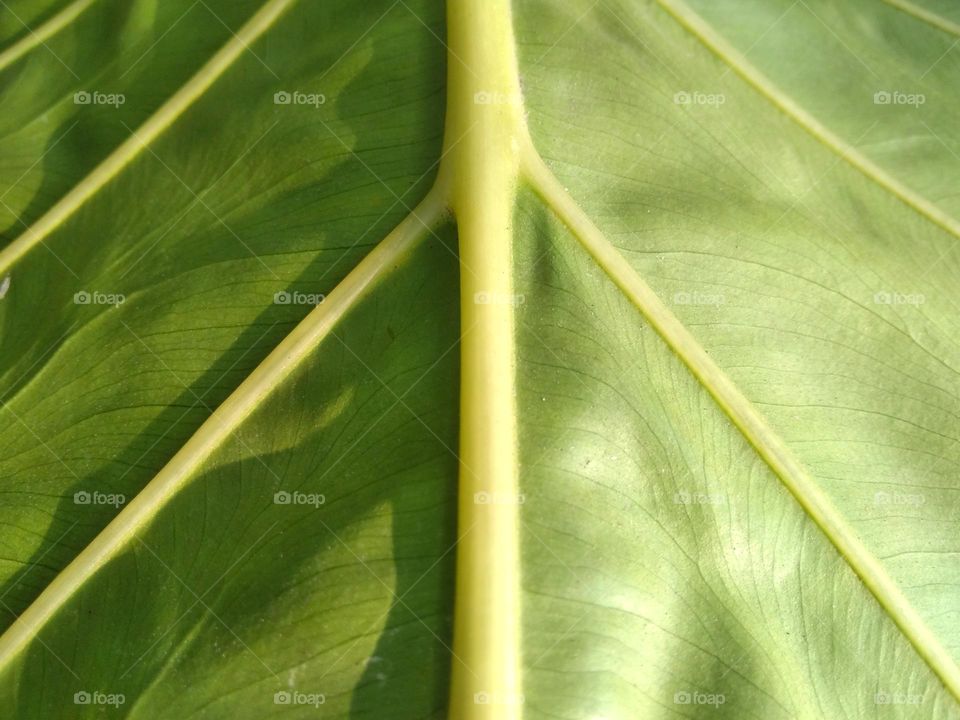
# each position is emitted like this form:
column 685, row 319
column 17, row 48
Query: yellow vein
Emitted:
column 223, row 422
column 941, row 23
column 483, row 108
column 162, row 119
column 740, row 65
column 748, row 420
column 47, row 30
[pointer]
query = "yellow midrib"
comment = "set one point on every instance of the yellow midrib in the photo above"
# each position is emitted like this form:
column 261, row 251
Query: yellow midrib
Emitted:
column 483, row 170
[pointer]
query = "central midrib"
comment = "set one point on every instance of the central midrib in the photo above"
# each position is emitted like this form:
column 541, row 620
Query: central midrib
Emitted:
column 482, row 172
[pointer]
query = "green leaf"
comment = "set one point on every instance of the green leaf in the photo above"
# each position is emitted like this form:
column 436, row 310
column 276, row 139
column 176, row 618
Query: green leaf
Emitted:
column 543, row 360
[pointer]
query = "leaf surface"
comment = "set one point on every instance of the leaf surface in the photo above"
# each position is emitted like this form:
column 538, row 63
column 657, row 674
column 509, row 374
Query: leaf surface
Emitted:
column 681, row 326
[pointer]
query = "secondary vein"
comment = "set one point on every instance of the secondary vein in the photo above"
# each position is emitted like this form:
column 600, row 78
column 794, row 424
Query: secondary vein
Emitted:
column 224, row 421
column 931, row 18
column 159, row 122
column 44, row 32
column 748, row 420
column 719, row 46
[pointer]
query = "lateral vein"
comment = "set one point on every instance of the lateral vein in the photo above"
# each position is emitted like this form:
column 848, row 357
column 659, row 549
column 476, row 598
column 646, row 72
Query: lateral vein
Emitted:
column 719, row 46
column 159, row 122
column 927, row 16
column 35, row 38
column 223, row 422
column 748, row 421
